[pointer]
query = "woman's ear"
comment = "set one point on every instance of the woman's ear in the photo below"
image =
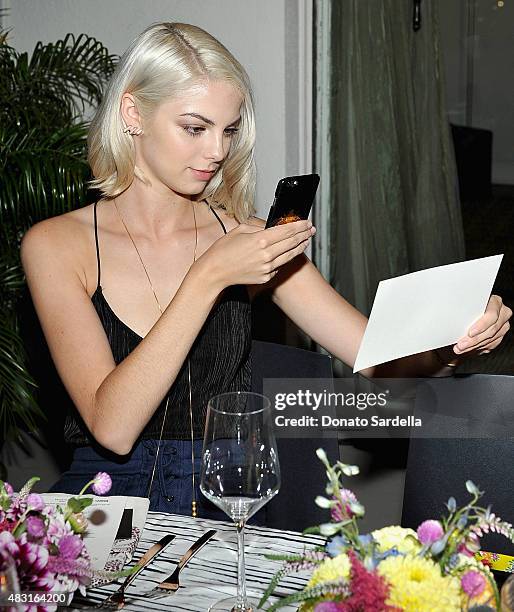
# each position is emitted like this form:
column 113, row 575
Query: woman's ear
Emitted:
column 129, row 112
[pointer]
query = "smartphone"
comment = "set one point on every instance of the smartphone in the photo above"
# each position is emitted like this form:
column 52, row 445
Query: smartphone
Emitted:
column 294, row 196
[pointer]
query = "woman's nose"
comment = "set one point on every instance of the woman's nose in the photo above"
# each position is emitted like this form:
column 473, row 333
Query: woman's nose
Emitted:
column 215, row 149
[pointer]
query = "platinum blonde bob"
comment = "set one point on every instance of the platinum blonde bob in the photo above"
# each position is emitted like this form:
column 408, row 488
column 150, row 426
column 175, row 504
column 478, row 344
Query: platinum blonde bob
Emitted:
column 163, row 61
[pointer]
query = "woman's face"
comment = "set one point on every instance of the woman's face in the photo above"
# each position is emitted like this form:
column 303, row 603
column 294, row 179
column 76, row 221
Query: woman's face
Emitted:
column 187, row 138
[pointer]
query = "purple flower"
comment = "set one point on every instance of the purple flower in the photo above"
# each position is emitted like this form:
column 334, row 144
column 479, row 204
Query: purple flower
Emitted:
column 35, row 526
column 35, row 502
column 327, row 606
column 70, row 546
column 341, row 511
column 473, row 583
column 8, row 544
column 33, row 557
column 102, row 484
column 336, row 546
column 430, row 531
column 8, row 488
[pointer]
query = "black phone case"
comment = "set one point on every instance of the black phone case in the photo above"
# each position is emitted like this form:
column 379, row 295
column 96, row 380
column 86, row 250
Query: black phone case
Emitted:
column 294, row 196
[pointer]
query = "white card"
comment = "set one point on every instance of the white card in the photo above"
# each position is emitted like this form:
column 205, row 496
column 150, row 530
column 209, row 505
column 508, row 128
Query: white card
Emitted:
column 104, row 516
column 424, row 310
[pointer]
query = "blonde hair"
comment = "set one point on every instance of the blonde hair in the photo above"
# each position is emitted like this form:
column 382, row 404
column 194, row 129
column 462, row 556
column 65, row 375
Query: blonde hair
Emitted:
column 166, row 59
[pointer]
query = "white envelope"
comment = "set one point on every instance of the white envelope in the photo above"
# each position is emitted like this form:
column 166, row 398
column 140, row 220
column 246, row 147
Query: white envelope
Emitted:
column 424, row 310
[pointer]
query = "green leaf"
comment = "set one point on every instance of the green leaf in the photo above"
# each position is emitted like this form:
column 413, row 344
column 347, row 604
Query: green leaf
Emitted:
column 77, row 504
column 43, row 172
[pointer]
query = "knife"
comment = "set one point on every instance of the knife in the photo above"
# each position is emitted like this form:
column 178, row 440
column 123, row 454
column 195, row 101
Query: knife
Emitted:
column 118, row 597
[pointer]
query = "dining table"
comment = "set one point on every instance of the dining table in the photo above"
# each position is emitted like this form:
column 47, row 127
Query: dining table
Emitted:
column 211, row 574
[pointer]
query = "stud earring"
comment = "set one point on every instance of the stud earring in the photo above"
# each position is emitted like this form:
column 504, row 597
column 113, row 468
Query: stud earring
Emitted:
column 133, row 130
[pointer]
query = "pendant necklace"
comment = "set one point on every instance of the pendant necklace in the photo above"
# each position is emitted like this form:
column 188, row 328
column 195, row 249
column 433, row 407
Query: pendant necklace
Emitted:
column 194, row 502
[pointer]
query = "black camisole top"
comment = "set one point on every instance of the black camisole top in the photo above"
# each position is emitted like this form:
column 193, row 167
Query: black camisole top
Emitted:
column 220, row 362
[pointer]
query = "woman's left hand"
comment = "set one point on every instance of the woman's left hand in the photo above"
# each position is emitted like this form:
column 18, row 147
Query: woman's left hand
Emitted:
column 488, row 331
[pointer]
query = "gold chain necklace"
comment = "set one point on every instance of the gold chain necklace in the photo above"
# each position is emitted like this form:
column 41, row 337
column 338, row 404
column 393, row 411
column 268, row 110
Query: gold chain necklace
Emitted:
column 194, row 502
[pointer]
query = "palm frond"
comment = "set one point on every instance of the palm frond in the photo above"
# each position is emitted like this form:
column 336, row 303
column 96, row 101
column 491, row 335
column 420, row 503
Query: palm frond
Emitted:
column 18, row 409
column 41, row 176
column 56, row 84
column 43, row 172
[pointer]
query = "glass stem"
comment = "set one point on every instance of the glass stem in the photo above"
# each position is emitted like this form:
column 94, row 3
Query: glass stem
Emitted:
column 241, row 579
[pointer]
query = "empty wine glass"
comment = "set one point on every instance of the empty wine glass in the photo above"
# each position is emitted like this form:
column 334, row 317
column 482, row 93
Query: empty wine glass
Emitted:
column 240, row 470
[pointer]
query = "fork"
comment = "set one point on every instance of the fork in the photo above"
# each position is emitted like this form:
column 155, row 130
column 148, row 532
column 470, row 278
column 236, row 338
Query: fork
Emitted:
column 172, row 583
column 116, row 600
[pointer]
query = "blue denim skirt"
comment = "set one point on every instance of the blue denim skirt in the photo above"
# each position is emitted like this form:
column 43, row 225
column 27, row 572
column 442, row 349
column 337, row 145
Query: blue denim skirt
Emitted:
column 172, row 488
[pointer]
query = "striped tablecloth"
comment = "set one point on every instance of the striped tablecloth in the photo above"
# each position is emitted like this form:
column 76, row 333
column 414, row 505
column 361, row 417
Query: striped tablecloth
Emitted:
column 211, row 574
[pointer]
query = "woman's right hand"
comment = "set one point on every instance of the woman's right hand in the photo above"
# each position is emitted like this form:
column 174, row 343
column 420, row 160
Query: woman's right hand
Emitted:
column 251, row 255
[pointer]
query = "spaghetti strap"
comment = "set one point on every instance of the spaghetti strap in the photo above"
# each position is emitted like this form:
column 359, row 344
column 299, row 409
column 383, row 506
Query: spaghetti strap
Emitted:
column 97, row 247
column 217, row 217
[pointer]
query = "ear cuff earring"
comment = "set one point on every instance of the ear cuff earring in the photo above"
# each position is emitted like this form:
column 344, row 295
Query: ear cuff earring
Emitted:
column 133, row 130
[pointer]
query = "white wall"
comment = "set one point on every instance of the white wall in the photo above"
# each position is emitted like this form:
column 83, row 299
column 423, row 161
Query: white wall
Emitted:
column 265, row 35
column 491, row 52
column 269, row 37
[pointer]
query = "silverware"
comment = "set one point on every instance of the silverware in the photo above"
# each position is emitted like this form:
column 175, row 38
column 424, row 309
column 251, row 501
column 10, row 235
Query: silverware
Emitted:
column 117, row 599
column 172, row 583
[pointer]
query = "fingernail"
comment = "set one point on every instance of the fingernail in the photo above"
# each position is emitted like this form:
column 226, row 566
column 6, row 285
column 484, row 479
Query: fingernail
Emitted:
column 313, row 230
column 309, row 224
column 462, row 345
column 473, row 331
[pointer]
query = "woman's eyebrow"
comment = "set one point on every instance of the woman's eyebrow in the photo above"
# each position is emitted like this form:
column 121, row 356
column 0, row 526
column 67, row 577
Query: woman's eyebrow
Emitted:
column 208, row 121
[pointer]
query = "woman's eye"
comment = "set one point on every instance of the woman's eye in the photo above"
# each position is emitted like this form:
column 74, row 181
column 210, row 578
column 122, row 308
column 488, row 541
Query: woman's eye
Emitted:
column 193, row 130
column 230, row 132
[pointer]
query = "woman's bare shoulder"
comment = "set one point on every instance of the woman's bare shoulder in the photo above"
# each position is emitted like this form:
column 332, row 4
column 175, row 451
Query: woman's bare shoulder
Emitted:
column 69, row 229
column 62, row 243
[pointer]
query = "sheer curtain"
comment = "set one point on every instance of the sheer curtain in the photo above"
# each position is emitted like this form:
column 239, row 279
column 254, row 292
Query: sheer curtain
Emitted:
column 390, row 203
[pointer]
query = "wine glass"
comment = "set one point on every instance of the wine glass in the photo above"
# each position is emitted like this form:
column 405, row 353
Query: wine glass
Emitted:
column 240, row 470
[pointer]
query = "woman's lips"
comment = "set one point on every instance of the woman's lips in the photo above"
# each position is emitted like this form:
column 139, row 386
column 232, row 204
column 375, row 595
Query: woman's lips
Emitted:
column 202, row 175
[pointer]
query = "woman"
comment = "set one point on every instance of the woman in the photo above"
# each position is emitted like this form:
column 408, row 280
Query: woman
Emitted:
column 158, row 276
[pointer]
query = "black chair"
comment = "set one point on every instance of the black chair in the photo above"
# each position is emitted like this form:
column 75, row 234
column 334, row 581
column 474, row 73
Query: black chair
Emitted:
column 478, row 410
column 303, row 475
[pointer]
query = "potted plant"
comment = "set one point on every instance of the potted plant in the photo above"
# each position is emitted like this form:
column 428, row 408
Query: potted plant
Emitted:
column 44, row 99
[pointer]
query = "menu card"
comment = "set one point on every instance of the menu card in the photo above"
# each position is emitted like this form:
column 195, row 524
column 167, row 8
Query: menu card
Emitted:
column 104, row 517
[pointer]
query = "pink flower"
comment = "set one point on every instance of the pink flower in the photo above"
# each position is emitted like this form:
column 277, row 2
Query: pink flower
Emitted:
column 463, row 550
column 70, row 546
column 8, row 488
column 35, row 526
column 327, row 606
column 8, row 544
column 341, row 511
column 35, row 502
column 102, row 484
column 430, row 531
column 473, row 583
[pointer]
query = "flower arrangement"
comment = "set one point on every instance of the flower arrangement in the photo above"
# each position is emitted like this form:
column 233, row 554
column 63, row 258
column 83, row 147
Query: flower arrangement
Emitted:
column 393, row 569
column 45, row 543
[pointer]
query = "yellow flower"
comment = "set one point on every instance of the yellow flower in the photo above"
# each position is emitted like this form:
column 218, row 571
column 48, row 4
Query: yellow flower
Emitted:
column 337, row 568
column 396, row 537
column 417, row 584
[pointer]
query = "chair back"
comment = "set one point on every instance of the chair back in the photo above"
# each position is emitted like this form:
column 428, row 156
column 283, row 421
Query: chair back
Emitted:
column 303, row 474
column 437, row 467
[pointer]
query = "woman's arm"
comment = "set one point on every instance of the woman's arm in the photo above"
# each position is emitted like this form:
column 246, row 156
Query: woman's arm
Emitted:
column 304, row 295
column 116, row 402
